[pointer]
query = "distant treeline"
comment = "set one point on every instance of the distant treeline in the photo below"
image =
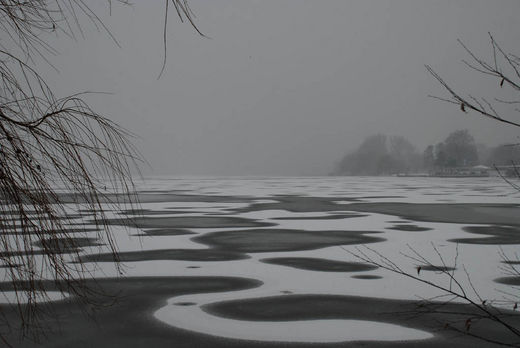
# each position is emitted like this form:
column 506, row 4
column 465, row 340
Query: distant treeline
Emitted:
column 383, row 155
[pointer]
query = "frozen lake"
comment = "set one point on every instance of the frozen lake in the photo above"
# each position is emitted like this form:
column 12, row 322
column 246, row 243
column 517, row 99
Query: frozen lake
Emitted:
column 285, row 245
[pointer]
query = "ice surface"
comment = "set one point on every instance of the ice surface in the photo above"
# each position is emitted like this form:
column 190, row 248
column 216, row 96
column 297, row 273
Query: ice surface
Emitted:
column 482, row 262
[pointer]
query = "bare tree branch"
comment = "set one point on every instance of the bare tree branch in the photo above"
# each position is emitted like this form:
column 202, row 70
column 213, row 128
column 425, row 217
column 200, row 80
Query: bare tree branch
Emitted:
column 501, row 60
column 50, row 145
column 484, row 309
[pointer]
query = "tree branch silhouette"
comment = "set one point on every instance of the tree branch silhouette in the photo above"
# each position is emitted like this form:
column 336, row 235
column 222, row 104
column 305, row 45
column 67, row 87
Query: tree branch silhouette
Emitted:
column 54, row 151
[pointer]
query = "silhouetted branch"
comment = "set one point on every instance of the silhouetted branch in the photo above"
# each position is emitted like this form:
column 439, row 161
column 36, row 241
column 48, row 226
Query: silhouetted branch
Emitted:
column 183, row 12
column 53, row 149
column 455, row 290
column 495, row 70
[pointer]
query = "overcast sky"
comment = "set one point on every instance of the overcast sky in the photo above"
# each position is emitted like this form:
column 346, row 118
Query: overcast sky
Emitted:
column 285, row 87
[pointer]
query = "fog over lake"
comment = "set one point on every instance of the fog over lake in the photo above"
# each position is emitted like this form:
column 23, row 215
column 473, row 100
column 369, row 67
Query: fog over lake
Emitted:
column 285, row 87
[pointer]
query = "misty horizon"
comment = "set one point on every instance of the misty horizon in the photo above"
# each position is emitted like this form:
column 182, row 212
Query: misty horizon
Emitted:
column 285, row 92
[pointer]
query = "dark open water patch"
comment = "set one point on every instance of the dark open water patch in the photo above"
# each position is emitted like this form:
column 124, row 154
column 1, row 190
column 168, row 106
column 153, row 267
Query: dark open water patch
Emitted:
column 155, row 197
column 149, row 212
column 185, row 304
column 513, row 280
column 165, row 232
column 58, row 244
column 299, row 204
column 435, row 268
column 492, row 234
column 128, row 321
column 381, row 197
column 14, row 216
column 406, row 313
column 322, row 265
column 366, row 276
column 409, row 228
column 55, row 246
column 37, row 252
column 272, row 240
column 326, row 217
column 168, row 254
column 189, row 222
column 493, row 214
column 76, row 229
